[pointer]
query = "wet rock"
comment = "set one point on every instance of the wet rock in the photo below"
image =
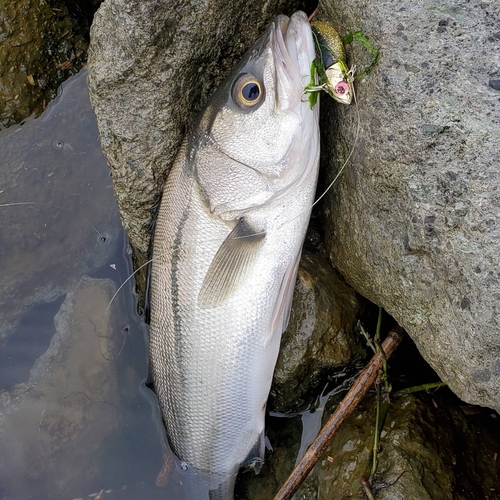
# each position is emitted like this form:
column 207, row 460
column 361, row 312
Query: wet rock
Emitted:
column 320, row 336
column 41, row 45
column 413, row 224
column 52, row 426
column 53, row 232
column 430, row 449
column 152, row 66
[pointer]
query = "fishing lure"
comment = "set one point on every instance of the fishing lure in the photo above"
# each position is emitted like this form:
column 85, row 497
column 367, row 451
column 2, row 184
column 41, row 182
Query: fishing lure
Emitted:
column 330, row 65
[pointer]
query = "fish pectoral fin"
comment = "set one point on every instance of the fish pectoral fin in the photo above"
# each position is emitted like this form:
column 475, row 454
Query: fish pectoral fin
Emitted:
column 283, row 305
column 231, row 265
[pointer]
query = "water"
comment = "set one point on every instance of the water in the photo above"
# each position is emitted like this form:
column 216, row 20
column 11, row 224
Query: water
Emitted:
column 75, row 415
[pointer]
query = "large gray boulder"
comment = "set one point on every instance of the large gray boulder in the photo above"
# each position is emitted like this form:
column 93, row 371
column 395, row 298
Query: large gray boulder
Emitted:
column 414, row 222
column 152, row 66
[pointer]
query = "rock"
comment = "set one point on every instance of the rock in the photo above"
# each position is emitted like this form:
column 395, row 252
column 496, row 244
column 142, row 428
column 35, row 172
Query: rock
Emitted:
column 59, row 216
column 422, row 454
column 414, row 222
column 52, row 426
column 320, row 336
column 430, row 449
column 152, row 66
column 41, row 45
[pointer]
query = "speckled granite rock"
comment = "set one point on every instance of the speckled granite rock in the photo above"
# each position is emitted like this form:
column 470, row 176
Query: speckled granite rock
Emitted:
column 414, row 222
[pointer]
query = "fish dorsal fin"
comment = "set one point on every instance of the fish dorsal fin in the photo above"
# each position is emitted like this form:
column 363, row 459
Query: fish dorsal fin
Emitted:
column 283, row 305
column 231, row 264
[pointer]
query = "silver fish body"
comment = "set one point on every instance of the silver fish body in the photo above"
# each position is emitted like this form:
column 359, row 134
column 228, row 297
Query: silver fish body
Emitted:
column 227, row 244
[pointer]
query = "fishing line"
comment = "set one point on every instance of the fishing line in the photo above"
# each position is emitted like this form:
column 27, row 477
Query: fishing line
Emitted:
column 358, row 128
column 102, row 238
column 125, row 282
column 351, row 152
column 107, row 309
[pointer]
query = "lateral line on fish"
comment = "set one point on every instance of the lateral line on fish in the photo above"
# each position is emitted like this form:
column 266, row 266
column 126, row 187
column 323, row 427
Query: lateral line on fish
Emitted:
column 358, row 126
column 356, row 136
column 20, row 203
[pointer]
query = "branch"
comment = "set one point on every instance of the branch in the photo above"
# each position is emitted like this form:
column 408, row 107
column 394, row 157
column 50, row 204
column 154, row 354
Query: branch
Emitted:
column 360, row 387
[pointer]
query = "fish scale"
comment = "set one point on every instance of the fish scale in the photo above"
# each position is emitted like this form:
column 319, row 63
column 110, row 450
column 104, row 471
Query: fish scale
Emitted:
column 228, row 240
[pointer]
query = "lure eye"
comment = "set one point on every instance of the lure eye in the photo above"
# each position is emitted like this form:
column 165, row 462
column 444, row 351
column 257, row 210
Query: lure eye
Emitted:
column 341, row 88
column 247, row 91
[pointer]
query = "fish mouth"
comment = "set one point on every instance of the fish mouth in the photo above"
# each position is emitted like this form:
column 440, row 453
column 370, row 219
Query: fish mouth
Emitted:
column 294, row 52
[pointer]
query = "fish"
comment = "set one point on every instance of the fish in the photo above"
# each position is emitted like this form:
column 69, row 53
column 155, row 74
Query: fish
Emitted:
column 227, row 245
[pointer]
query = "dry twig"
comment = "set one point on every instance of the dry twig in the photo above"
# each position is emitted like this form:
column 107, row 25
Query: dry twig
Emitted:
column 360, row 387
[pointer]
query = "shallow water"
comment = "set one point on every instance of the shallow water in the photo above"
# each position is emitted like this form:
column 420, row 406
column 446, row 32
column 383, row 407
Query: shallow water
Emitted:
column 75, row 416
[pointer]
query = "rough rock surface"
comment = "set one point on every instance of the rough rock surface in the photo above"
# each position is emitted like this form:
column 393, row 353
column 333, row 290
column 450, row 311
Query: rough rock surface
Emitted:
column 41, row 45
column 321, row 334
column 152, row 66
column 51, row 426
column 414, row 222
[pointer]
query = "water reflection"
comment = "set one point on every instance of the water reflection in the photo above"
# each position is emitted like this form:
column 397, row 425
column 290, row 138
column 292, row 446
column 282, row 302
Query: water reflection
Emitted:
column 75, row 416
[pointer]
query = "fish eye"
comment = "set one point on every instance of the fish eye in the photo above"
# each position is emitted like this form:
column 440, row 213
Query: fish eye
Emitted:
column 247, row 91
